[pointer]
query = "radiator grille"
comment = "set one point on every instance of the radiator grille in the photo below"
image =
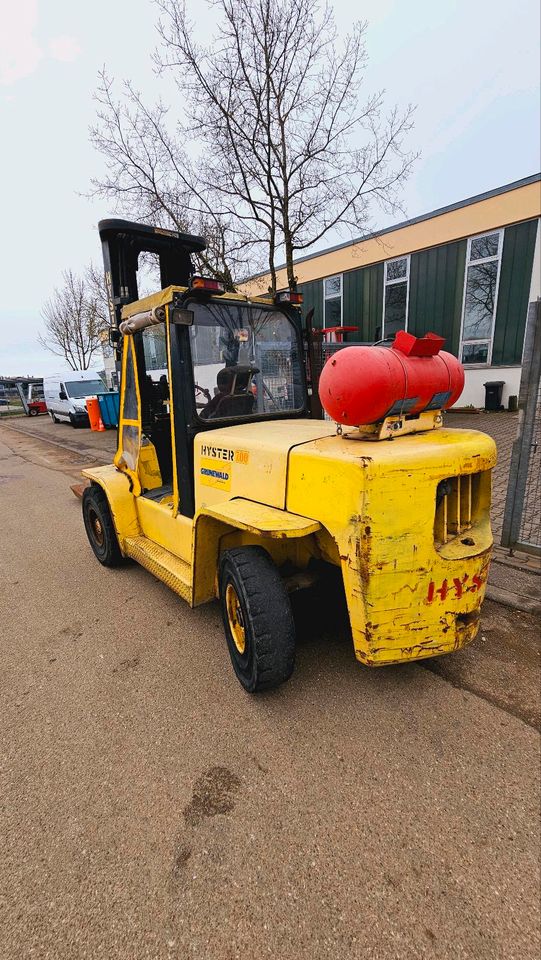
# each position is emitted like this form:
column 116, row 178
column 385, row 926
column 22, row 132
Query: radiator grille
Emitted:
column 458, row 505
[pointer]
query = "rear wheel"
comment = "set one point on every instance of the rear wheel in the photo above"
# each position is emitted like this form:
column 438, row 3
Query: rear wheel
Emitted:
column 33, row 411
column 257, row 618
column 99, row 527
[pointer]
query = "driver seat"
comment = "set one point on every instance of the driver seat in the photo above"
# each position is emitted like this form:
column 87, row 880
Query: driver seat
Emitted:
column 235, row 405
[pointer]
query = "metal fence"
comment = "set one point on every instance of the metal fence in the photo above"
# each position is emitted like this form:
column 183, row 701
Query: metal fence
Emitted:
column 317, row 353
column 522, row 517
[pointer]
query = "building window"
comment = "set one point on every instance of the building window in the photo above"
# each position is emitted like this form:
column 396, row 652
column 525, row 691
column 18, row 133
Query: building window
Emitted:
column 480, row 297
column 395, row 301
column 332, row 301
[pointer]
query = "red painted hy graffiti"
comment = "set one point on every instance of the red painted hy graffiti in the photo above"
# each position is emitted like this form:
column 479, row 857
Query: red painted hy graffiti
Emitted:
column 455, row 588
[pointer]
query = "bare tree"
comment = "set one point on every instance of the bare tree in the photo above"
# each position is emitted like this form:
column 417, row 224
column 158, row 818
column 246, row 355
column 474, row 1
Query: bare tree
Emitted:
column 149, row 175
column 276, row 148
column 274, row 100
column 74, row 319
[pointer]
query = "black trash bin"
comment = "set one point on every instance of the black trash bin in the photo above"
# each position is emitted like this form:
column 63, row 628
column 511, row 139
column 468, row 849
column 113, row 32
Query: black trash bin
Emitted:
column 493, row 394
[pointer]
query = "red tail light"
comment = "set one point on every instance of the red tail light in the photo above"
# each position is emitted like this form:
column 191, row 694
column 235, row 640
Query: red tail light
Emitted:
column 206, row 285
column 288, row 296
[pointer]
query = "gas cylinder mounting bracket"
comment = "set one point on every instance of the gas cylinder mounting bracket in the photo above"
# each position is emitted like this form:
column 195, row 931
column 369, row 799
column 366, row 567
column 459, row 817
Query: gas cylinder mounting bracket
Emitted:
column 399, row 426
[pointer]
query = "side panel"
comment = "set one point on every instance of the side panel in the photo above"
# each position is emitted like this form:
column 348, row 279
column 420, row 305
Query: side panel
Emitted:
column 159, row 524
column 313, row 299
column 513, row 293
column 363, row 301
column 249, row 461
column 435, row 294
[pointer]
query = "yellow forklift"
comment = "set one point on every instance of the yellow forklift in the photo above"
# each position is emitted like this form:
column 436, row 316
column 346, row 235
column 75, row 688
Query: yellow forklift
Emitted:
column 224, row 486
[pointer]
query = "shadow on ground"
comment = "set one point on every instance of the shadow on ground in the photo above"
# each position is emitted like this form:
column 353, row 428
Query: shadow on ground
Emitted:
column 502, row 666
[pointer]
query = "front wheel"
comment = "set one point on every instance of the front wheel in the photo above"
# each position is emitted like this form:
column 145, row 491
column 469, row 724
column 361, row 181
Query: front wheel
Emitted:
column 257, row 618
column 99, row 527
column 54, row 417
column 33, row 412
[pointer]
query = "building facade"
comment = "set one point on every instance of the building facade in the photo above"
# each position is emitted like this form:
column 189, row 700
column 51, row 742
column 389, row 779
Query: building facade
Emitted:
column 467, row 271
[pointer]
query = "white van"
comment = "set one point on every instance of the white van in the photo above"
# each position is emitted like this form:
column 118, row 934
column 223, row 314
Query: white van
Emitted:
column 66, row 393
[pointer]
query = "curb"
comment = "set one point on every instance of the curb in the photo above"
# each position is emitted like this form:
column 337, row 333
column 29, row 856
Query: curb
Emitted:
column 87, row 453
column 514, row 600
column 526, row 562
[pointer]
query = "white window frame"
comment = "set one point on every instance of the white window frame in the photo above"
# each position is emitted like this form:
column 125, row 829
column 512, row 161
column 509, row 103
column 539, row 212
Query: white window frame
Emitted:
column 472, row 263
column 334, row 276
column 391, row 283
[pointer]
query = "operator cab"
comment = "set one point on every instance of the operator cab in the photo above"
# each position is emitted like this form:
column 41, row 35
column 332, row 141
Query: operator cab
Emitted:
column 193, row 357
column 245, row 361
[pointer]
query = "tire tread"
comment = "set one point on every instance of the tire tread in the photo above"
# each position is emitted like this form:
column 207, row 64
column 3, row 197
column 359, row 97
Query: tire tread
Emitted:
column 96, row 497
column 272, row 630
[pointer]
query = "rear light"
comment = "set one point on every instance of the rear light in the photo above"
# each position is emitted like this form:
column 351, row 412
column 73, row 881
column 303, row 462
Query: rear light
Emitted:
column 206, row 285
column 288, row 296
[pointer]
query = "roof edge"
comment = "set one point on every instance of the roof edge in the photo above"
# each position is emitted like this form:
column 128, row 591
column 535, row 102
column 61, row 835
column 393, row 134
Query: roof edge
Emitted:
column 487, row 195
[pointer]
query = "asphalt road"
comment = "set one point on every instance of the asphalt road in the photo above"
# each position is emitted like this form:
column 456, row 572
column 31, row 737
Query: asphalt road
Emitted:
column 151, row 809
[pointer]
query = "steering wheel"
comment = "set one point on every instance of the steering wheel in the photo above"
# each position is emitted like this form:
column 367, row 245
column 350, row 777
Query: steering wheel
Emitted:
column 202, row 392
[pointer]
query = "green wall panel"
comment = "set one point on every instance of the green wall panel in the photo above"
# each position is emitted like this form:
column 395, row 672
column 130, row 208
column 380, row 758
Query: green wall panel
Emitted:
column 363, row 301
column 436, row 289
column 436, row 294
column 313, row 297
column 514, row 292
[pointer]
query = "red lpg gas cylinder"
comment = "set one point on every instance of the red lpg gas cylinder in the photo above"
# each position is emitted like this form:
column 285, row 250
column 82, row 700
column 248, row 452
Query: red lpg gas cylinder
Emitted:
column 361, row 385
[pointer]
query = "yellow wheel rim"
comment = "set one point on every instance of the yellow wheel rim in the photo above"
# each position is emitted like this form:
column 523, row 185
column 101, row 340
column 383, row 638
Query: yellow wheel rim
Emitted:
column 235, row 618
column 97, row 528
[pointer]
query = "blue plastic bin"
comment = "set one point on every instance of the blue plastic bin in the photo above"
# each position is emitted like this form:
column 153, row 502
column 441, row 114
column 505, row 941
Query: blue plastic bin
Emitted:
column 109, row 408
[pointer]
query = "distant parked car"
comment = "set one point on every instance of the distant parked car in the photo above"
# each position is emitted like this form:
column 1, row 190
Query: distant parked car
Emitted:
column 36, row 407
column 66, row 393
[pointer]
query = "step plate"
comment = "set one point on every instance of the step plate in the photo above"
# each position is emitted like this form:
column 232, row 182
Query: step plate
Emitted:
column 171, row 570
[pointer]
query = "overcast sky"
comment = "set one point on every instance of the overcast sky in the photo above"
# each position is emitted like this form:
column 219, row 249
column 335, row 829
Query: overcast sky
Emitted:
column 471, row 68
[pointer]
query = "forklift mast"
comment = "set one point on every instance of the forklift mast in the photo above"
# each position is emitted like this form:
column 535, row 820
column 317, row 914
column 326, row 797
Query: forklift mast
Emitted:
column 123, row 241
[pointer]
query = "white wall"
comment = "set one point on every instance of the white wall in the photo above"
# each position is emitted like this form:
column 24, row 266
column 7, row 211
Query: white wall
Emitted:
column 474, row 391
column 535, row 289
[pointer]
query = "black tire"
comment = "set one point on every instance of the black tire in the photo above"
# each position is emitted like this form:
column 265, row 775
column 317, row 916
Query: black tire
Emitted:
column 73, row 421
column 54, row 417
column 99, row 527
column 263, row 617
column 33, row 411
